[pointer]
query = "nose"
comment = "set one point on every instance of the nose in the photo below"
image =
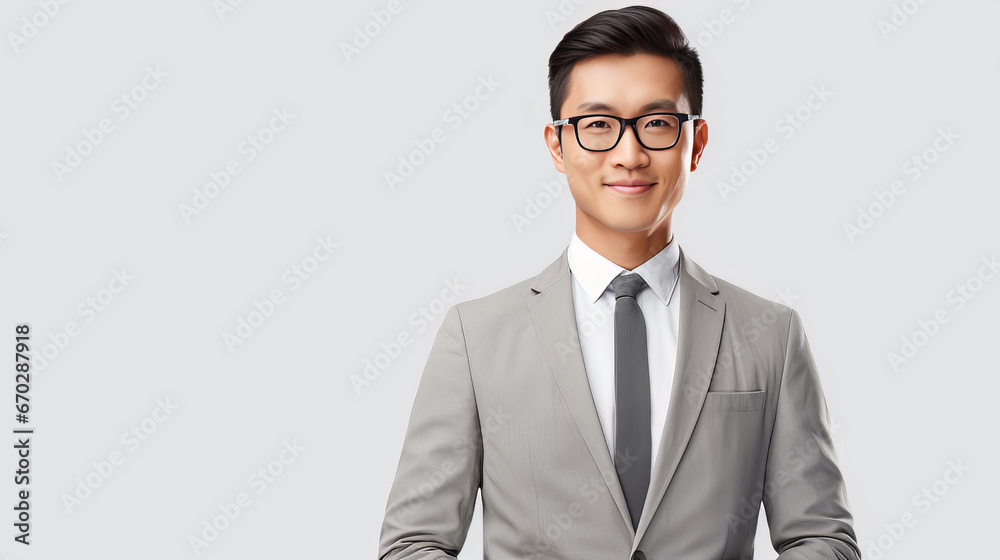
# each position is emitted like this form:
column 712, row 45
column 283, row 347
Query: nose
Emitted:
column 629, row 152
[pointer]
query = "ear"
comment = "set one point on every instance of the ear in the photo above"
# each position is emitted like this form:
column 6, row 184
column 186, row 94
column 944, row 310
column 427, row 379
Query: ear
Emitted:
column 700, row 141
column 555, row 146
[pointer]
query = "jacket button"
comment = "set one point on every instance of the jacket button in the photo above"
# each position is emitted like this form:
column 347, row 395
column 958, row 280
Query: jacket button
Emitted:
column 638, row 555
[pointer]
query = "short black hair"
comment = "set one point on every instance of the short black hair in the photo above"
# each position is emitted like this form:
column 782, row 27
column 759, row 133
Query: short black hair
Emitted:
column 626, row 31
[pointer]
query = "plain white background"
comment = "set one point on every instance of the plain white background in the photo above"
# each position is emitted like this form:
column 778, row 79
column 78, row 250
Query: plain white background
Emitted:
column 203, row 250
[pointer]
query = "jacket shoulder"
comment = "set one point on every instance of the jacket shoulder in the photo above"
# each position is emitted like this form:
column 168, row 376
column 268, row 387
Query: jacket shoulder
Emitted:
column 493, row 311
column 748, row 307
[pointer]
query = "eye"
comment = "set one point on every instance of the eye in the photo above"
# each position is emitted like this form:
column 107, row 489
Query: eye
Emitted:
column 597, row 124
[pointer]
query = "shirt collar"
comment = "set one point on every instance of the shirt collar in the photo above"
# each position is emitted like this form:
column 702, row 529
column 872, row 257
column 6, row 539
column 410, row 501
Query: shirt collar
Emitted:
column 595, row 272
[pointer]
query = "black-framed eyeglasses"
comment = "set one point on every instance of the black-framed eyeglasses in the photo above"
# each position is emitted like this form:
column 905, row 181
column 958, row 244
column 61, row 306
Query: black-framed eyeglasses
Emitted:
column 654, row 131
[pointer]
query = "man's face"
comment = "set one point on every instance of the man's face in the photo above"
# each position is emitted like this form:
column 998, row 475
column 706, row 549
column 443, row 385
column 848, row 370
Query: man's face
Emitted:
column 626, row 86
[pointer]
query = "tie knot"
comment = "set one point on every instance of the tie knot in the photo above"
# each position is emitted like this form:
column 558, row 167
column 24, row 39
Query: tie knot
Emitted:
column 627, row 285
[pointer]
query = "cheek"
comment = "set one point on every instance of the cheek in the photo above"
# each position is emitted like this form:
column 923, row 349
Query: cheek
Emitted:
column 582, row 165
column 685, row 147
column 670, row 164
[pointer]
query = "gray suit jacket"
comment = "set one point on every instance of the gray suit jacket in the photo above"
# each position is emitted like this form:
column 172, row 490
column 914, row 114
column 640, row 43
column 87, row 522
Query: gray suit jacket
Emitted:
column 504, row 405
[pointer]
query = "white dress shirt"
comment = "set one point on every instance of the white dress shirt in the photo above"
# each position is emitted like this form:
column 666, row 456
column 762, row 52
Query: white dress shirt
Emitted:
column 594, row 303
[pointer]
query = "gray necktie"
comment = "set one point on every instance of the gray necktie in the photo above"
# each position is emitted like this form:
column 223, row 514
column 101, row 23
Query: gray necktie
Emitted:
column 633, row 442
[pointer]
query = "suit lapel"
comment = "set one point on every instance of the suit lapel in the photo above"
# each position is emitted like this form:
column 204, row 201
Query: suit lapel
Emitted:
column 552, row 313
column 700, row 331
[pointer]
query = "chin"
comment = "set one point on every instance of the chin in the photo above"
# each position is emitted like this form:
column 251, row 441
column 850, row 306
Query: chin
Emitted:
column 629, row 226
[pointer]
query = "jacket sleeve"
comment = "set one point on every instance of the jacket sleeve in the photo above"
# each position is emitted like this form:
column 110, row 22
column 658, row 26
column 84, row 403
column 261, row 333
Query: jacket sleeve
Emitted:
column 805, row 498
column 433, row 496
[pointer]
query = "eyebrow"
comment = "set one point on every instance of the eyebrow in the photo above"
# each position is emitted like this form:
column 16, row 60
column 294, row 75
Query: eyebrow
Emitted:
column 663, row 104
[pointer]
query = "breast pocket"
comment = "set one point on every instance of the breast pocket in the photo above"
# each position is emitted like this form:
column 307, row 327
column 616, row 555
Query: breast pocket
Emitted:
column 744, row 401
column 728, row 448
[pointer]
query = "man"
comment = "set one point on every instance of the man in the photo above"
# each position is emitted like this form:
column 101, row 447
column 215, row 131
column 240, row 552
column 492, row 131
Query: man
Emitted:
column 624, row 403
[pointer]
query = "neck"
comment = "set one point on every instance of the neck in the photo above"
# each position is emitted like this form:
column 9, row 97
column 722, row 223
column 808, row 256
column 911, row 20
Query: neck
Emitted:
column 626, row 249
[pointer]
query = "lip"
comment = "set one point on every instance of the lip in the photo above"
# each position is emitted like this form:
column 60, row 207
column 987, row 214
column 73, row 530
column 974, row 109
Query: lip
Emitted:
column 630, row 187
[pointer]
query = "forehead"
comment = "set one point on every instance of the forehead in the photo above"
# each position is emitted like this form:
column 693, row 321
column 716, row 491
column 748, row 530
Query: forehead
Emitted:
column 624, row 84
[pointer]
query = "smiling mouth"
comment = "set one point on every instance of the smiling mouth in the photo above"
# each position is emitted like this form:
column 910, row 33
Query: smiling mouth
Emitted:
column 631, row 188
